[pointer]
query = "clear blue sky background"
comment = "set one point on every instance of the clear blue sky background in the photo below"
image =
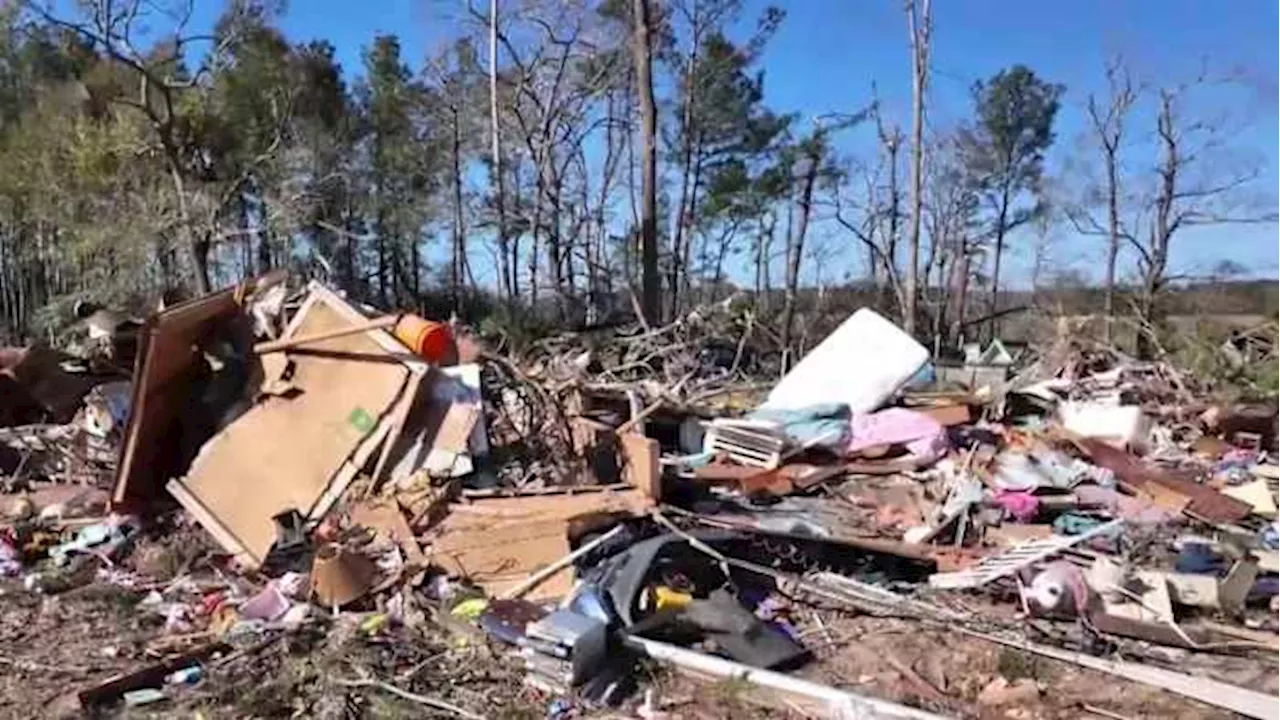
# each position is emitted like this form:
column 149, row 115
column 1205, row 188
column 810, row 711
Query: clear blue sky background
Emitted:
column 828, row 52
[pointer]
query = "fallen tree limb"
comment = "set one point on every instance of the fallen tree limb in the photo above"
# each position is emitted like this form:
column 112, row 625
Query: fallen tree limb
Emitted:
column 411, row 697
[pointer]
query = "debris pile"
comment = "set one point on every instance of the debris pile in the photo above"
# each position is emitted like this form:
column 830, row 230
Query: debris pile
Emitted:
column 291, row 493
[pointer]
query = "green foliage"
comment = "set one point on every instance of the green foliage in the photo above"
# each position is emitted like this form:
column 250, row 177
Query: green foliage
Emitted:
column 1004, row 148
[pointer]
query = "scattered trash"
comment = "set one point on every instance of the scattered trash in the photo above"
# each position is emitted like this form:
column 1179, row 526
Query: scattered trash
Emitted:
column 378, row 485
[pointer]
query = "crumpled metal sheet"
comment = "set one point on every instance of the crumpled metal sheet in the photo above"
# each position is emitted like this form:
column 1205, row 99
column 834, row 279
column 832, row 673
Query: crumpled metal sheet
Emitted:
column 62, row 453
column 1205, row 502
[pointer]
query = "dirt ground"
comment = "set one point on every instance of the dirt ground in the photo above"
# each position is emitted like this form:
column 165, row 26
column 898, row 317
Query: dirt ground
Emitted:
column 947, row 673
column 51, row 646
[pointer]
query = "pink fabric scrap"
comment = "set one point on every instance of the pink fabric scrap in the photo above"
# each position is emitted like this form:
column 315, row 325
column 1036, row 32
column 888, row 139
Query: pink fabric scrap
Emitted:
column 1021, row 505
column 923, row 436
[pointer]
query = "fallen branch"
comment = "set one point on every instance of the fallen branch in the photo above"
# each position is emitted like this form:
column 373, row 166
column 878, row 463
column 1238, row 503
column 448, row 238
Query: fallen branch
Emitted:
column 542, row 575
column 653, row 407
column 411, row 697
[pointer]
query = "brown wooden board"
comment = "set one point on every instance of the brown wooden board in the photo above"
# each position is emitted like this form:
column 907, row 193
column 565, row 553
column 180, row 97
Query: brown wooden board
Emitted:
column 499, row 554
column 499, row 542
column 1138, row 476
column 166, row 362
column 284, row 452
column 641, row 467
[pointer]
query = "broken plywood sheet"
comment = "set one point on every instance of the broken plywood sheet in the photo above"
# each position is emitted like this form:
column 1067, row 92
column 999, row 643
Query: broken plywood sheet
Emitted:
column 559, row 506
column 642, row 467
column 499, row 555
column 167, row 361
column 499, row 542
column 1135, row 475
column 1207, row 591
column 1146, row 598
column 387, row 520
column 284, row 453
column 1258, row 494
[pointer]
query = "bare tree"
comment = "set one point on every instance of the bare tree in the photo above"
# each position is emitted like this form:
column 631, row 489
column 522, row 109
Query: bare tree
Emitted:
column 920, row 27
column 950, row 208
column 811, row 153
column 875, row 221
column 1108, row 126
column 506, row 269
column 651, row 299
column 1195, row 185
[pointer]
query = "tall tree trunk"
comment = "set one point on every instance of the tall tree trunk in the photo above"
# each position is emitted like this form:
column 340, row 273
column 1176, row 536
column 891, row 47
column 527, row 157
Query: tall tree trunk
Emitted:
column 536, row 239
column 687, row 183
column 920, row 30
column 963, row 269
column 795, row 251
column 515, row 240
column 895, row 216
column 555, row 251
column 1113, row 246
column 352, row 280
column 459, row 228
column 197, row 247
column 379, row 229
column 758, row 286
column 1001, row 224
column 506, row 269
column 684, row 273
column 651, row 298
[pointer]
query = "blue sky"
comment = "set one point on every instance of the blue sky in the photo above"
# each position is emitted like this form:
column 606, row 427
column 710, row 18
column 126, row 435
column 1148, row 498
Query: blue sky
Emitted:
column 827, row 53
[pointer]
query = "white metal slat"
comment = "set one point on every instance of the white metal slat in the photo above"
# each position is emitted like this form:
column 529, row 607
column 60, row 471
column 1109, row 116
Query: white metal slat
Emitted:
column 1014, row 559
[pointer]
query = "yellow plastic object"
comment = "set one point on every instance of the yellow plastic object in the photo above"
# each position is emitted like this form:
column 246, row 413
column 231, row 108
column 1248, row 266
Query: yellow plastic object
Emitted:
column 374, row 624
column 470, row 609
column 667, row 599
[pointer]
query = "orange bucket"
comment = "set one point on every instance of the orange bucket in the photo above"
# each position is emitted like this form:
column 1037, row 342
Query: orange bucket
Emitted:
column 426, row 338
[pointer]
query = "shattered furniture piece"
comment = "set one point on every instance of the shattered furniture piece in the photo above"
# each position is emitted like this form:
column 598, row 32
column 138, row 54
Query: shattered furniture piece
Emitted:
column 749, row 442
column 301, row 449
column 167, row 365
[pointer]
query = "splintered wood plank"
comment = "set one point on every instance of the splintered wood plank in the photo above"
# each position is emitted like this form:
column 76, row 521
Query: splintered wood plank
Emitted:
column 642, row 469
